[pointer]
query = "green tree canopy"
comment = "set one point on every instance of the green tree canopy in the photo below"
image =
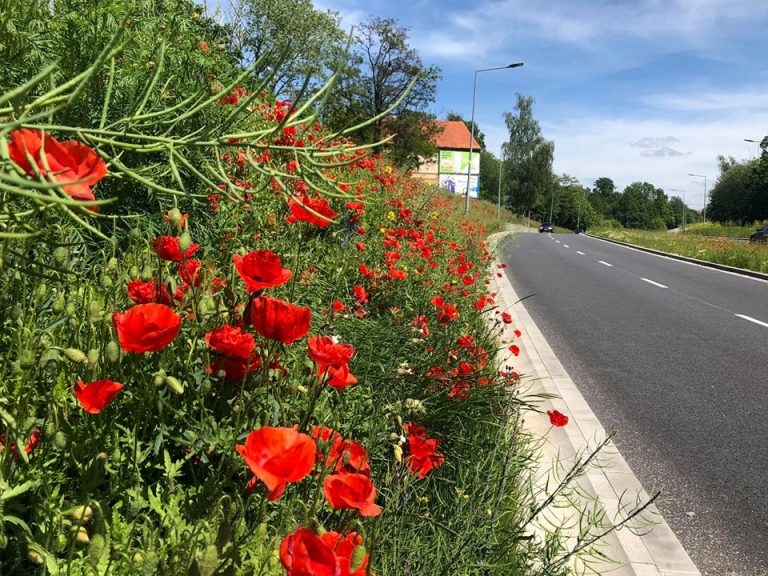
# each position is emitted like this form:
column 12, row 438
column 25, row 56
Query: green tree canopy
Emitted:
column 528, row 158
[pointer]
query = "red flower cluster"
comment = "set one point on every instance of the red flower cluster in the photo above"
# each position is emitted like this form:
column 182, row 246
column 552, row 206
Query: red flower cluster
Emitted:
column 303, row 553
column 236, row 352
column 94, row 397
column 169, row 248
column 146, row 327
column 312, row 210
column 332, row 360
column 278, row 320
column 422, row 451
column 277, row 456
column 72, row 165
column 261, row 269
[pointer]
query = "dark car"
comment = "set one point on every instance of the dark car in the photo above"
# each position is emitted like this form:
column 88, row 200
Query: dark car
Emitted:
column 547, row 227
column 759, row 235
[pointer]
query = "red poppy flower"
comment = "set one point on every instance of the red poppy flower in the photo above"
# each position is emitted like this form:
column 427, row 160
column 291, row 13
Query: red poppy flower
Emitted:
column 279, row 320
column 233, row 369
column 169, row 248
column 327, row 439
column 506, row 317
column 261, row 269
column 148, row 292
column 337, row 305
column 277, row 456
column 96, row 396
column 351, row 491
column 303, row 553
column 73, row 165
column 422, row 451
column 321, row 214
column 190, row 272
column 338, row 378
column 348, row 457
column 515, row 349
column 231, row 341
column 344, row 547
column 146, row 327
column 557, row 418
column 326, row 352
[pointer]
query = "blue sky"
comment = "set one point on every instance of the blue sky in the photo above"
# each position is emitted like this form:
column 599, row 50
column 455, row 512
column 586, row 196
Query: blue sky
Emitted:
column 643, row 90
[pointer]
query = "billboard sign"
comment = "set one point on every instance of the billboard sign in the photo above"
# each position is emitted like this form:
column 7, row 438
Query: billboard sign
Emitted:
column 456, row 161
column 457, row 183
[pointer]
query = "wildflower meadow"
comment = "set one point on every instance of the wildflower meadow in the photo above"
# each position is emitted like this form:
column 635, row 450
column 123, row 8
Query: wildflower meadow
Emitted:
column 237, row 342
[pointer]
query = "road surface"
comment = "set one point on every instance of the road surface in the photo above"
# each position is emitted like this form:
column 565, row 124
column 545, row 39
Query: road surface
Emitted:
column 674, row 357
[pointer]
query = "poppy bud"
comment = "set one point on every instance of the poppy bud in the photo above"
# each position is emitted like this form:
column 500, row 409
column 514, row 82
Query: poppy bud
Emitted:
column 81, row 536
column 16, row 311
column 58, row 304
column 96, row 549
column 60, row 440
column 398, row 451
column 112, row 264
column 42, row 291
column 174, row 217
column 34, row 557
column 70, row 309
column 94, row 310
column 93, row 358
column 357, row 558
column 210, row 560
column 174, row 384
column 106, row 281
column 133, row 272
column 146, row 273
column 138, row 558
column 185, row 242
column 27, row 359
column 302, row 389
column 113, row 352
column 159, row 379
column 75, row 355
column 60, row 256
column 81, row 514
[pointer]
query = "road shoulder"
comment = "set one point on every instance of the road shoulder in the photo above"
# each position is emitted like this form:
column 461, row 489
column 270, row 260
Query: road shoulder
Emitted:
column 644, row 552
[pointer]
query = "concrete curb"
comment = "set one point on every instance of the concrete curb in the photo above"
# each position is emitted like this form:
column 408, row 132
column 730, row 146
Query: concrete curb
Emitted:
column 723, row 267
column 655, row 552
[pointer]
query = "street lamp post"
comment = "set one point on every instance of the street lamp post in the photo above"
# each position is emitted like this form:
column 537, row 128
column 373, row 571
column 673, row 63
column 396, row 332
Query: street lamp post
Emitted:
column 753, row 142
column 472, row 131
column 704, row 214
column 498, row 199
column 684, row 206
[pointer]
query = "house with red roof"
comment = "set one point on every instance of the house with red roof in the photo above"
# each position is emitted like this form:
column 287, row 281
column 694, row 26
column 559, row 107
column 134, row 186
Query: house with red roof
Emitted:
column 448, row 168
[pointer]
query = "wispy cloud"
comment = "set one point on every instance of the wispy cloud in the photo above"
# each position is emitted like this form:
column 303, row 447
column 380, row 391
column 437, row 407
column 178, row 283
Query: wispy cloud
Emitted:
column 695, row 100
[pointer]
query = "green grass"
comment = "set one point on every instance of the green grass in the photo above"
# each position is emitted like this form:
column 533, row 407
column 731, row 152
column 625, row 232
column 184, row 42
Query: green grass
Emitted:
column 728, row 230
column 717, row 249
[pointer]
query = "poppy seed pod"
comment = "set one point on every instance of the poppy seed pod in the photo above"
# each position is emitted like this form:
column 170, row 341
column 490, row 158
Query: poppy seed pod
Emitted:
column 113, row 352
column 60, row 256
column 75, row 355
column 81, row 514
column 185, row 242
column 174, row 384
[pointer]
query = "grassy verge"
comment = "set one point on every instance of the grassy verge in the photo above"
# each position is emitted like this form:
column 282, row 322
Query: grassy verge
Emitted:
column 719, row 250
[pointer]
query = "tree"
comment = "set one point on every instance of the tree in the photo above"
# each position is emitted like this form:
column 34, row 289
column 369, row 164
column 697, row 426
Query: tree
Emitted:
column 528, row 158
column 384, row 67
column 604, row 197
column 736, row 196
column 637, row 207
column 302, row 43
column 572, row 209
column 489, row 176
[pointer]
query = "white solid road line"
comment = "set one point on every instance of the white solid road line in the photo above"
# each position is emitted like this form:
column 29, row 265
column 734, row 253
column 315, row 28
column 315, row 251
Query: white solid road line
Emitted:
column 752, row 320
column 605, row 263
column 654, row 283
column 580, row 252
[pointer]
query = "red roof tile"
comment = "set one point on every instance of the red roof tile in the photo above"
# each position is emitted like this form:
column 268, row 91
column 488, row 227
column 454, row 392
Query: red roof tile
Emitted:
column 455, row 135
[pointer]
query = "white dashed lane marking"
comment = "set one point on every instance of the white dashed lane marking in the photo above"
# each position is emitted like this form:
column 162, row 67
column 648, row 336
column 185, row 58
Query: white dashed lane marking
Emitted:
column 580, row 252
column 604, row 263
column 654, row 283
column 755, row 320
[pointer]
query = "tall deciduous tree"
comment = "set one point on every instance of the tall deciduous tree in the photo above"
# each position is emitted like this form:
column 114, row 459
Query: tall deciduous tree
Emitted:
column 384, row 66
column 302, row 43
column 528, row 157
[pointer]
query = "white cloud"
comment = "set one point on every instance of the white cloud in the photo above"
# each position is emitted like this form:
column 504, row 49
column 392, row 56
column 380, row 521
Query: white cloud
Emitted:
column 695, row 100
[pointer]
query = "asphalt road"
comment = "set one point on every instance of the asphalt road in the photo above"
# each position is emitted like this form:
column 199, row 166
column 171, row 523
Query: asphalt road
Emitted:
column 674, row 357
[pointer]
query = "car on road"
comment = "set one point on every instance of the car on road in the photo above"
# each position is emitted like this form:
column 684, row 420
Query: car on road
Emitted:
column 759, row 235
column 547, row 227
